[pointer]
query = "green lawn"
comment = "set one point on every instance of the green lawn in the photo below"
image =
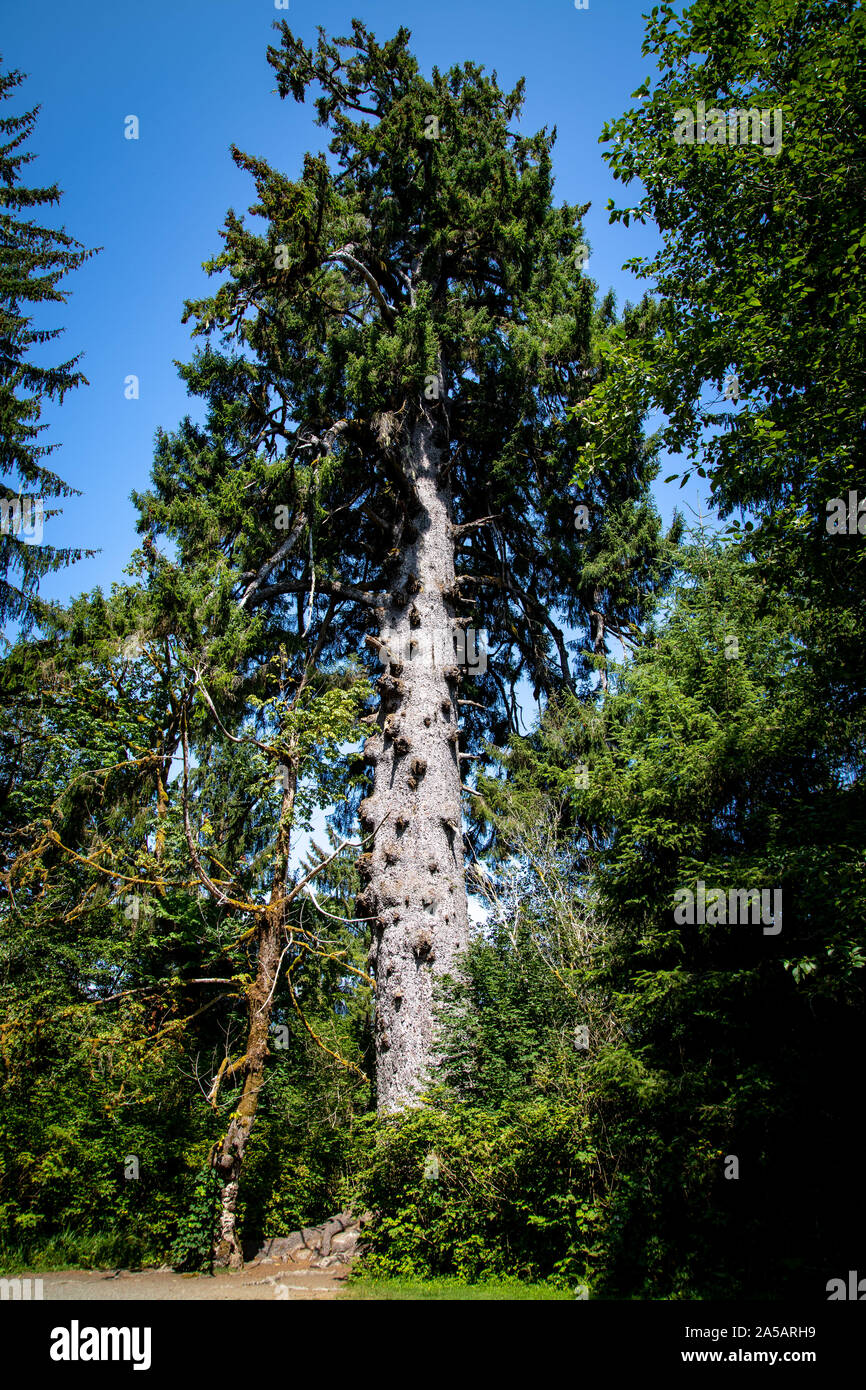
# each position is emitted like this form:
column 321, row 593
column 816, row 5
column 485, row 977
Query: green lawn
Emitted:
column 418, row 1289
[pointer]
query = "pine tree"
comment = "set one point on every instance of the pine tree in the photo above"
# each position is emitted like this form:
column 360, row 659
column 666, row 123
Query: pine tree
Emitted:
column 33, row 259
column 386, row 448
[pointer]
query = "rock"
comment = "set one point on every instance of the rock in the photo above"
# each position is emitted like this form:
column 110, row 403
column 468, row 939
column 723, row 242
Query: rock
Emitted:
column 335, row 1242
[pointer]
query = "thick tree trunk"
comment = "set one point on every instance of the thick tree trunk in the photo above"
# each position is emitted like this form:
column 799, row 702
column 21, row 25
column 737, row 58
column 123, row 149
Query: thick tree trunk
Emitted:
column 228, row 1157
column 414, row 871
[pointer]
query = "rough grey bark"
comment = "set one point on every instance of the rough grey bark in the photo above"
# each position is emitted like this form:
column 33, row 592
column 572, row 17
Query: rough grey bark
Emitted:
column 414, row 872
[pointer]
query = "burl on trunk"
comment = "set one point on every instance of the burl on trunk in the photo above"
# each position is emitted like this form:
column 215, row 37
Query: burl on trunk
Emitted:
column 414, row 870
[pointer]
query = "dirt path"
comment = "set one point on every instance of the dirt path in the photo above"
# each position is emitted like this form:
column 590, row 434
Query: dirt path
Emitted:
column 259, row 1281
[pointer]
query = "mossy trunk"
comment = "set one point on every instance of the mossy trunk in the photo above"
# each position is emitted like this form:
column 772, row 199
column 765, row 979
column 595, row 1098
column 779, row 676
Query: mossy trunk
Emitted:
column 228, row 1157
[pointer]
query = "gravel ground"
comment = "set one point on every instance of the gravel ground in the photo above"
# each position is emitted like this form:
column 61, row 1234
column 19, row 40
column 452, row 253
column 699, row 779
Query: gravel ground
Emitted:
column 261, row 1281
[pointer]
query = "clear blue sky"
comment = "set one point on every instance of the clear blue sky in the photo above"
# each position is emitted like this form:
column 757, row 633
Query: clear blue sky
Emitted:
column 195, row 74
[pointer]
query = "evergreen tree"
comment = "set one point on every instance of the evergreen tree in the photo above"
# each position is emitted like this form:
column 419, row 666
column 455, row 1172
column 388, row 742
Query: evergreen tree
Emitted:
column 718, row 763
column 386, row 460
column 33, row 259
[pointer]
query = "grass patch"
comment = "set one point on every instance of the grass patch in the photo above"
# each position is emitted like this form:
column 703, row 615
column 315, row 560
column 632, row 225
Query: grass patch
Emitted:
column 70, row 1250
column 450, row 1290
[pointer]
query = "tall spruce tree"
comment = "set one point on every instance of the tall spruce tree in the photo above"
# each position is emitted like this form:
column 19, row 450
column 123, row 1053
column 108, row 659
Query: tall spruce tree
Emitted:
column 386, row 460
column 32, row 261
